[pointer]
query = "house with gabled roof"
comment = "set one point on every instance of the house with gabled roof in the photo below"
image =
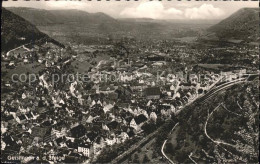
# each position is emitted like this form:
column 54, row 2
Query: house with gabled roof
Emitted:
column 113, row 125
column 21, row 118
column 10, row 119
column 152, row 93
column 78, row 131
column 60, row 142
column 107, row 107
column 123, row 136
column 84, row 148
column 153, row 116
column 140, row 119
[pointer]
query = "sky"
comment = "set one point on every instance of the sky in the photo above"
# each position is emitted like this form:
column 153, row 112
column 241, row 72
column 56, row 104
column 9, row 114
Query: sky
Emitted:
column 144, row 8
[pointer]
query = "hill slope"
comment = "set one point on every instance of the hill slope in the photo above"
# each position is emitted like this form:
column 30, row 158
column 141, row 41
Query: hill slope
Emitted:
column 17, row 31
column 243, row 24
column 223, row 129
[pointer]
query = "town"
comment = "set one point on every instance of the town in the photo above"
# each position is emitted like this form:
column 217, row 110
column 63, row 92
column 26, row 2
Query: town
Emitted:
column 129, row 87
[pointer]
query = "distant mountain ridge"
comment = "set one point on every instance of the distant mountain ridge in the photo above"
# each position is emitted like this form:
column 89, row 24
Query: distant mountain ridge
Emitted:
column 98, row 28
column 243, row 24
column 69, row 25
column 17, row 31
column 47, row 17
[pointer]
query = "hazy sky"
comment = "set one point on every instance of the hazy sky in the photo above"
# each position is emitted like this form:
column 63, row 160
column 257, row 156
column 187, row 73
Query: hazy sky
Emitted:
column 144, row 8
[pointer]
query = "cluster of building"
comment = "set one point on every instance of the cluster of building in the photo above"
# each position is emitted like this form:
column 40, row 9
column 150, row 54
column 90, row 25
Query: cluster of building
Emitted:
column 75, row 121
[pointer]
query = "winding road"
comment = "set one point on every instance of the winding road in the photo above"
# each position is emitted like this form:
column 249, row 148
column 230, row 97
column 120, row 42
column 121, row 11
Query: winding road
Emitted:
column 162, row 149
column 191, row 158
column 206, row 133
column 22, row 46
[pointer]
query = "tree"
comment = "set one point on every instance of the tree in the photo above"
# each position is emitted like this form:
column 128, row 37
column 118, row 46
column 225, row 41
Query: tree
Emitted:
column 154, row 155
column 136, row 158
column 148, row 127
column 120, row 49
column 200, row 91
column 169, row 148
column 146, row 159
column 181, row 156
